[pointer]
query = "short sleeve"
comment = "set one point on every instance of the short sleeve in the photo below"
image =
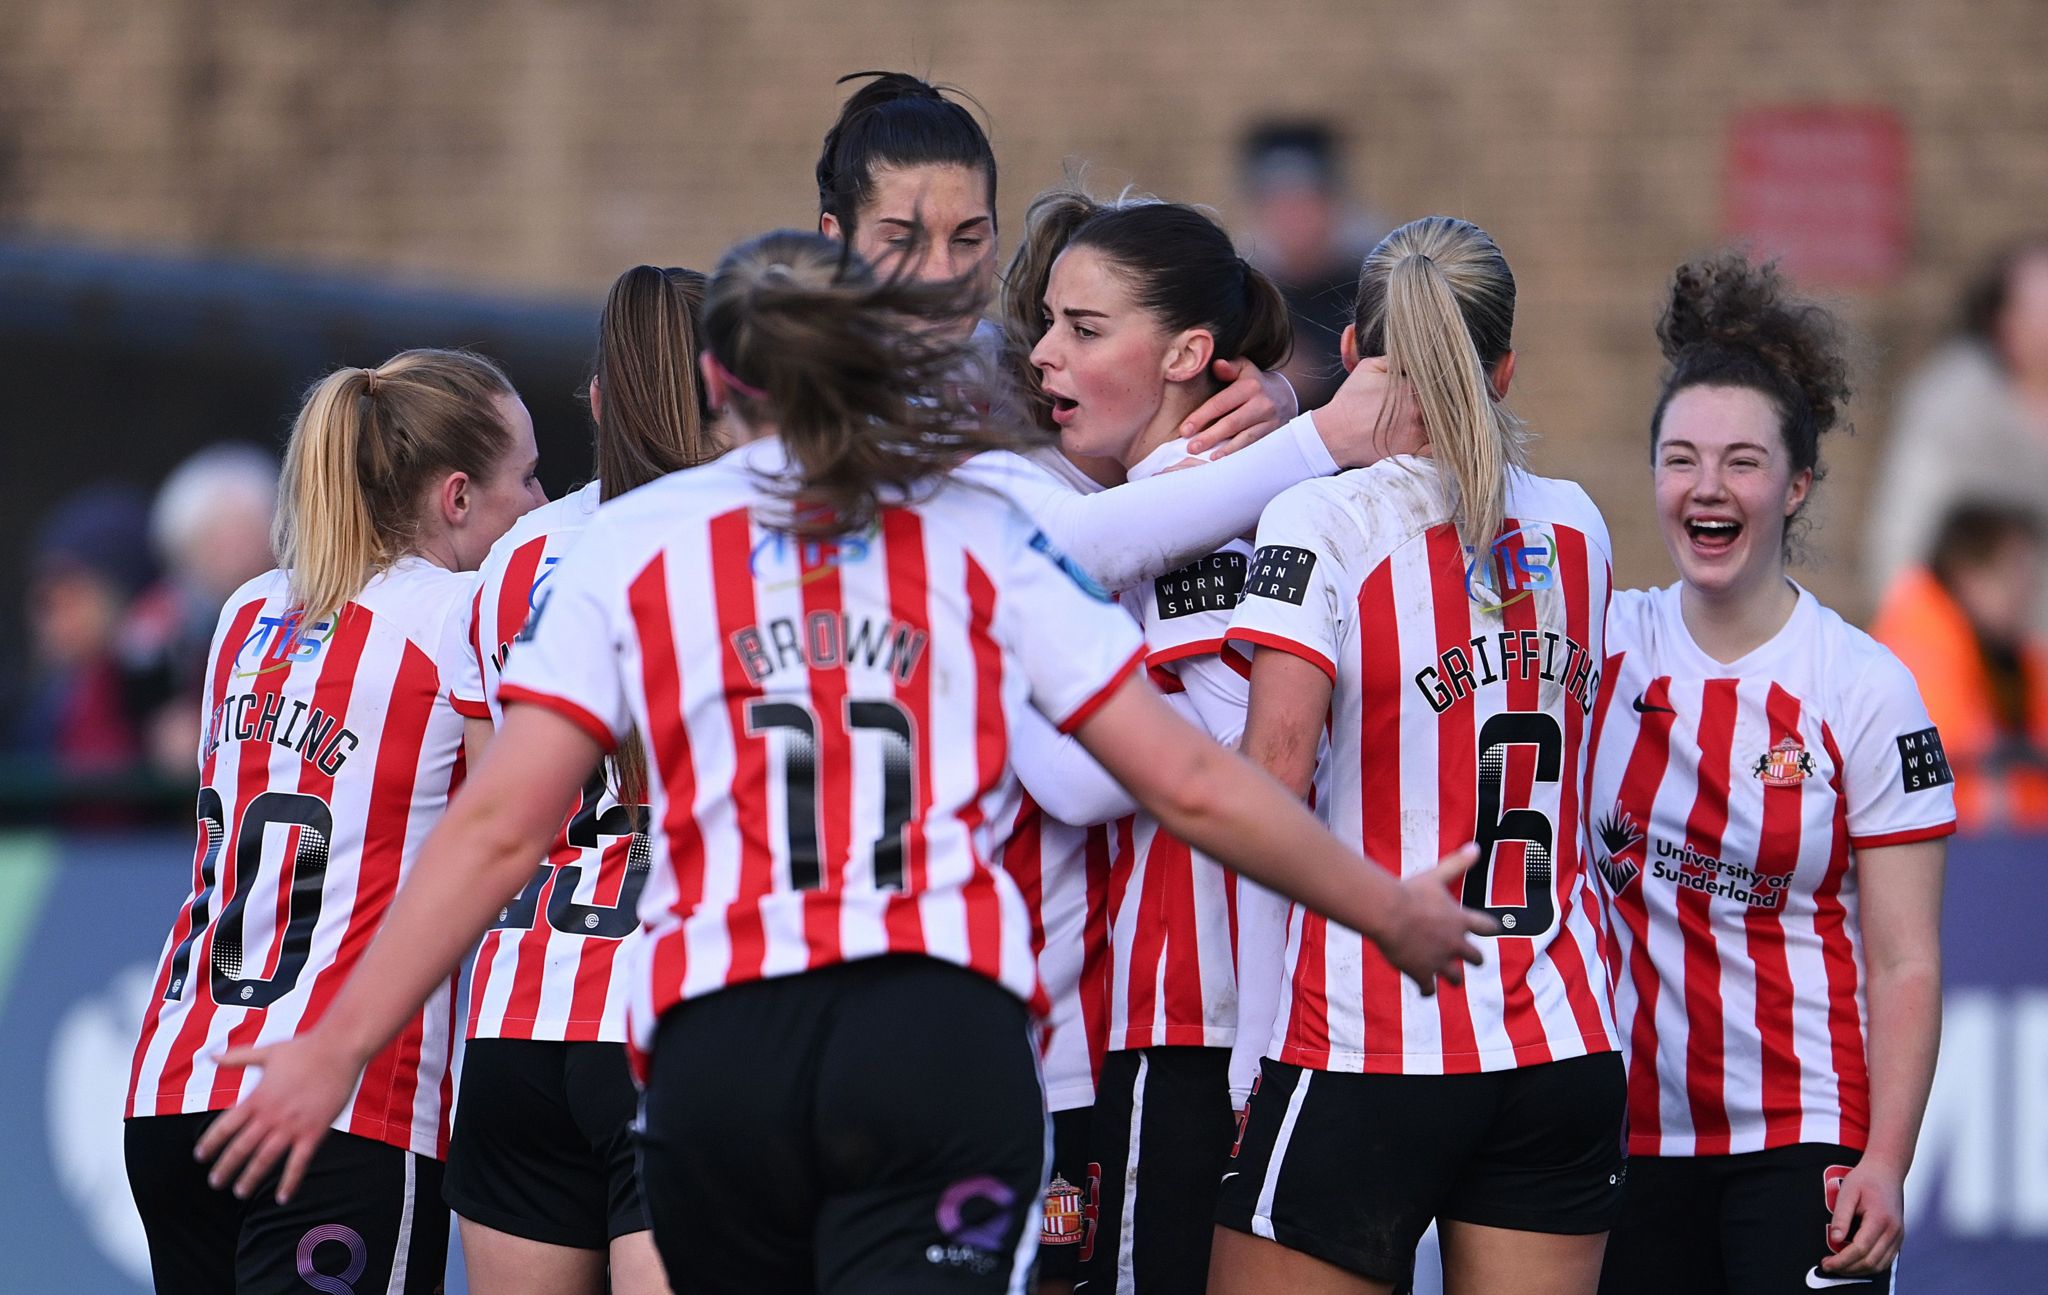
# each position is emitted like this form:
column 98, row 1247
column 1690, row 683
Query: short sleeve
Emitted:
column 1073, row 643
column 567, row 659
column 466, row 688
column 1300, row 582
column 1187, row 611
column 1896, row 776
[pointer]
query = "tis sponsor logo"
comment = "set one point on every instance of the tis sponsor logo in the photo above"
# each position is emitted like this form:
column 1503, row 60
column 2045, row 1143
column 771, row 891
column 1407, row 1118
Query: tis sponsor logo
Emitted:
column 813, row 559
column 1515, row 566
column 1785, row 765
column 279, row 643
column 1922, row 762
column 1622, row 847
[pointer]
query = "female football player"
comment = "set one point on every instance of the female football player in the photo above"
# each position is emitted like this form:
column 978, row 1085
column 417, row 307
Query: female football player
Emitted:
column 540, row 1168
column 1434, row 622
column 1124, row 306
column 1770, row 802
column 824, row 639
column 330, row 750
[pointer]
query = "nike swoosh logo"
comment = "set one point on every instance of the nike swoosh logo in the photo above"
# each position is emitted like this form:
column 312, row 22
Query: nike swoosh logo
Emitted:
column 1232, row 1174
column 1644, row 708
column 1815, row 1281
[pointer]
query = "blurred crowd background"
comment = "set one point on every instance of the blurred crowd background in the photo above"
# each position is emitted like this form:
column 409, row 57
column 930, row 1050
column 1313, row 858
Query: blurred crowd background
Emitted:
column 204, row 205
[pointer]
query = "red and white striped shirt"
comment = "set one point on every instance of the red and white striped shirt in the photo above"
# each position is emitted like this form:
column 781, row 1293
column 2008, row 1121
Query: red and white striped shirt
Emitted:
column 329, row 753
column 1172, row 909
column 1727, row 802
column 827, row 723
column 556, row 966
column 1463, row 692
column 1063, row 872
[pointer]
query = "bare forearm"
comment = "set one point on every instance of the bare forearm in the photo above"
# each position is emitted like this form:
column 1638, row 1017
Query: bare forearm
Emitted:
column 465, row 874
column 1905, row 1036
column 1236, row 812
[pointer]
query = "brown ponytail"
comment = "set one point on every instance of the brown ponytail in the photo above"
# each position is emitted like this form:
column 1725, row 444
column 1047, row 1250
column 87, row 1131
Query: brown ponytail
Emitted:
column 366, row 446
column 651, row 415
column 1437, row 299
column 871, row 397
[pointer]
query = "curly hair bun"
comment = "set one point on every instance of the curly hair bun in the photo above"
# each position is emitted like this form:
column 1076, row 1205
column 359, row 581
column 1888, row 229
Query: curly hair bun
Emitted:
column 1724, row 309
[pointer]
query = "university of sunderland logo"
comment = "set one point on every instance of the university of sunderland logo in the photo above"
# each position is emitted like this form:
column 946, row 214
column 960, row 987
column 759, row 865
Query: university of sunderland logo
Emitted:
column 1693, row 869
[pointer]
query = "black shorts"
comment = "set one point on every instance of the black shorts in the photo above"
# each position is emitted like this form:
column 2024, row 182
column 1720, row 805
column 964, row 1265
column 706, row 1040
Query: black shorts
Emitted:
column 1071, row 1197
column 876, row 1126
column 364, row 1211
column 1352, row 1168
column 1163, row 1128
column 543, row 1143
column 1746, row 1224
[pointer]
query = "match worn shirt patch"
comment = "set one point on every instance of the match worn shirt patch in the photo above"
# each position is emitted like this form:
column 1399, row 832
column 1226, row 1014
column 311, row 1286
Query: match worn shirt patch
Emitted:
column 1922, row 762
column 1211, row 584
column 1280, row 572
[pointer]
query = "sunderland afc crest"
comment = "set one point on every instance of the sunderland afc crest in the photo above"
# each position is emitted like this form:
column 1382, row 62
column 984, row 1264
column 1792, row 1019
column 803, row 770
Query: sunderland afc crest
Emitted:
column 1063, row 1221
column 1785, row 765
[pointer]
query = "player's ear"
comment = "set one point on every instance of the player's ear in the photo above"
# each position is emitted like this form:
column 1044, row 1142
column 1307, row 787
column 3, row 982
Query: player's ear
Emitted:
column 594, row 415
column 452, row 498
column 714, row 379
column 1500, row 374
column 1802, row 484
column 828, row 225
column 1188, row 355
column 1347, row 347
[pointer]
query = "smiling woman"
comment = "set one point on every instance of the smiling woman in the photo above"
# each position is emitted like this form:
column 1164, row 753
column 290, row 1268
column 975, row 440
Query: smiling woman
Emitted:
column 1772, row 805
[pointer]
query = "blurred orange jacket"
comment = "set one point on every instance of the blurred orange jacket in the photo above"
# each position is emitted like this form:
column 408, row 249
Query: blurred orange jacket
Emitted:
column 1925, row 627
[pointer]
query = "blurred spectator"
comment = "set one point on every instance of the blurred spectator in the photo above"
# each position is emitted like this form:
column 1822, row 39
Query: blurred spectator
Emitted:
column 80, row 718
column 1972, row 424
column 1308, row 239
column 1962, row 625
column 211, row 528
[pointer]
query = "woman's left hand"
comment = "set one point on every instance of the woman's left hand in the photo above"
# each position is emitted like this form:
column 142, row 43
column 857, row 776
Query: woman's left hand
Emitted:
column 1252, row 404
column 303, row 1089
column 1869, row 1223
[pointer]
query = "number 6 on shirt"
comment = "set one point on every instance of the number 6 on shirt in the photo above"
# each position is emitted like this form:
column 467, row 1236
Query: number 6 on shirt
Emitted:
column 1532, row 828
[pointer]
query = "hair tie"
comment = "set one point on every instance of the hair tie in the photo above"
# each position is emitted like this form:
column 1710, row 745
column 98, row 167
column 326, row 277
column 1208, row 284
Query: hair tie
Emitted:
column 733, row 379
column 369, row 382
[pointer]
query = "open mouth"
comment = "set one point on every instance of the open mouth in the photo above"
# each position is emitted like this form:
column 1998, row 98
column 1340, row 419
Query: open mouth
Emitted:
column 1063, row 408
column 1712, row 535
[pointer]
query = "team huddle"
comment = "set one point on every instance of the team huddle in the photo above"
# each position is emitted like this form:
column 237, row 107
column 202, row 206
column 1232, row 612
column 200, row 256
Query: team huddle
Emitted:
column 1012, row 803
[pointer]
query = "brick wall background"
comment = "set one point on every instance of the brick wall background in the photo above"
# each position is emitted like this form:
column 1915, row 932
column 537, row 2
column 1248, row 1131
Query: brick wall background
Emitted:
column 543, row 145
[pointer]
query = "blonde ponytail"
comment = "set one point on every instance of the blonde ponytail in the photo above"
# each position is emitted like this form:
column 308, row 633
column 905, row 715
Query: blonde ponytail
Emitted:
column 323, row 533
column 1437, row 299
column 365, row 447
